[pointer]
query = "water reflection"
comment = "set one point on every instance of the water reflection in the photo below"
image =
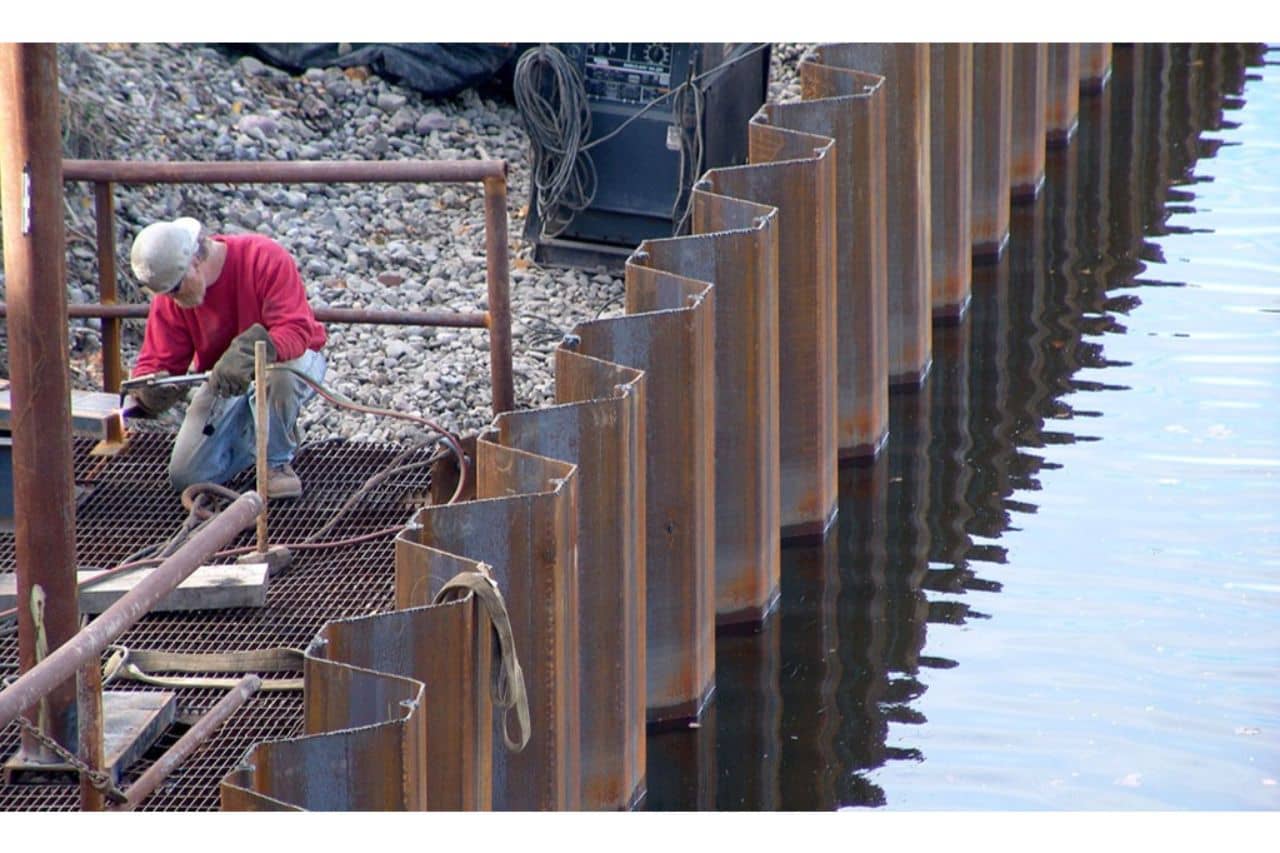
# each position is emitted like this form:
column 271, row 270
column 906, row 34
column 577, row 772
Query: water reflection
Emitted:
column 811, row 710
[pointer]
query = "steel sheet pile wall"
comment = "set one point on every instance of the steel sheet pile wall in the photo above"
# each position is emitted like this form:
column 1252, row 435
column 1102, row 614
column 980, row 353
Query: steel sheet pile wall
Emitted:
column 690, row 437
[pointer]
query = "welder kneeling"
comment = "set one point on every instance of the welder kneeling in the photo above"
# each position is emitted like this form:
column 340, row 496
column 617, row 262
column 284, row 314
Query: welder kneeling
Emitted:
column 213, row 298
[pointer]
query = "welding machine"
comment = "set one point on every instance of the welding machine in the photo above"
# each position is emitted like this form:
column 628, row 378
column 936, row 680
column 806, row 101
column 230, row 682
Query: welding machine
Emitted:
column 619, row 132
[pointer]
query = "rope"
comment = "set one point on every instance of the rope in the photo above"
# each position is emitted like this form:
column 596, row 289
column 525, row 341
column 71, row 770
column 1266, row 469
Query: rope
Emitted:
column 130, row 665
column 508, row 689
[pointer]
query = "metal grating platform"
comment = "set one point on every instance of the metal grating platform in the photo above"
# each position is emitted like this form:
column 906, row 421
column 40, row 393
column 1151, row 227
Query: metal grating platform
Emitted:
column 128, row 505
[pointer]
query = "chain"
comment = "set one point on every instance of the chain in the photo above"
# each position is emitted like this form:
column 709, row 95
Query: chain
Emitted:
column 99, row 779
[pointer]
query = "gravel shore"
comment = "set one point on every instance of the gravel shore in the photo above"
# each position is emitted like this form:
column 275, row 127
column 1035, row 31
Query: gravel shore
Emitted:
column 388, row 247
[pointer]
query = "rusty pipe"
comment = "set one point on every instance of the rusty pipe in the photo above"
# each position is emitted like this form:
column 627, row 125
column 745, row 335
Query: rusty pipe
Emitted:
column 194, row 738
column 262, row 415
column 89, row 709
column 497, row 275
column 63, row 663
column 291, row 171
column 104, row 214
column 35, row 267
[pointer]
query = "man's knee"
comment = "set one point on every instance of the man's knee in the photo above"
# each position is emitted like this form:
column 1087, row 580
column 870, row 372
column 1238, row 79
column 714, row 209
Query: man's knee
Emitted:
column 181, row 476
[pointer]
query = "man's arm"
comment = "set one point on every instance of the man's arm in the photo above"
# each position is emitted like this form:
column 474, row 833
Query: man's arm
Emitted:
column 285, row 310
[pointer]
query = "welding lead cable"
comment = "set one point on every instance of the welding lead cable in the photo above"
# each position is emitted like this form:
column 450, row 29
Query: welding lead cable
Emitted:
column 451, row 440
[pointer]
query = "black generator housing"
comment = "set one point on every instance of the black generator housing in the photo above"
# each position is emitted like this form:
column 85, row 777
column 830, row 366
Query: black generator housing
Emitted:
column 639, row 188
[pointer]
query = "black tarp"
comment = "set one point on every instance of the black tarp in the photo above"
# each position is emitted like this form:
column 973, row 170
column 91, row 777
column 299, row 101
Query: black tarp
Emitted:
column 437, row 70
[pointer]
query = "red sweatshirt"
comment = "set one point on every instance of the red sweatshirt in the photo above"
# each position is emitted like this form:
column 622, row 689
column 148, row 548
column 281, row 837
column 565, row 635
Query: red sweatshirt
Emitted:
column 259, row 283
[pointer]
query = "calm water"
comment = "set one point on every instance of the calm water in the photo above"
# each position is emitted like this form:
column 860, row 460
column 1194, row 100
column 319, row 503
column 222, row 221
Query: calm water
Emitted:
column 1059, row 586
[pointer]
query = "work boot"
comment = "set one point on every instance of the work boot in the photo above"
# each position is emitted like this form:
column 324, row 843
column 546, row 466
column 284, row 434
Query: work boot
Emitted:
column 282, row 482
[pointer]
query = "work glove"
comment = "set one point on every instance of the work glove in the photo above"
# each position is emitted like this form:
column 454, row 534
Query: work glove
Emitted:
column 233, row 372
column 156, row 400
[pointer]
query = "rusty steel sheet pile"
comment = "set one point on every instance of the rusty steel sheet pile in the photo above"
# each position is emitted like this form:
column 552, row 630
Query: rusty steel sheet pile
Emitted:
column 905, row 69
column 794, row 172
column 1062, row 100
column 668, row 332
column 599, row 427
column 950, row 178
column 848, row 106
column 992, row 148
column 1030, row 98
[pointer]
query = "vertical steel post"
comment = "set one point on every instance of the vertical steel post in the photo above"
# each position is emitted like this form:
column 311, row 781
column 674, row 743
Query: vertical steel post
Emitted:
column 261, row 426
column 89, row 708
column 499, row 280
column 104, row 212
column 35, row 284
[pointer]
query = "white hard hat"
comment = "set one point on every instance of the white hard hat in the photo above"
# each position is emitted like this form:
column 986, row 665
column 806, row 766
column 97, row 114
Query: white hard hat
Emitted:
column 162, row 252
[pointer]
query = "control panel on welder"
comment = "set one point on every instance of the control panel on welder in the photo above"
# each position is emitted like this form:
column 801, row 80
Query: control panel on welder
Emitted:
column 627, row 73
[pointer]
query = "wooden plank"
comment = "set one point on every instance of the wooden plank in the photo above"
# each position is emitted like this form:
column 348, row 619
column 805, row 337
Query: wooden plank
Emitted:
column 207, row 588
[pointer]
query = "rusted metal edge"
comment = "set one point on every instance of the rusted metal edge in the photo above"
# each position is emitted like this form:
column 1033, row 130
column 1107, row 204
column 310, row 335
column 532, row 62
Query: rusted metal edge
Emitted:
column 359, row 764
column 1095, row 67
column 1030, row 96
column 1062, row 106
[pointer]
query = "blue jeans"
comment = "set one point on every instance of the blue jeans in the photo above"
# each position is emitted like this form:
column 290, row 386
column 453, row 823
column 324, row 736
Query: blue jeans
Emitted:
column 217, row 439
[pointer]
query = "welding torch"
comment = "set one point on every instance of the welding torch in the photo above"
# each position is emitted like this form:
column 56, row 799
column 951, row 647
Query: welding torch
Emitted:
column 154, row 380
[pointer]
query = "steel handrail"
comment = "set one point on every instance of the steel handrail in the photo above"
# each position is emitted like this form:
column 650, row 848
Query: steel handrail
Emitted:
column 491, row 173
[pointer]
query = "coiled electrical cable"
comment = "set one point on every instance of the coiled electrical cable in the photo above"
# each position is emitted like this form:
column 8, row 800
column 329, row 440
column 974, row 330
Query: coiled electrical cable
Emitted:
column 551, row 97
column 552, row 102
